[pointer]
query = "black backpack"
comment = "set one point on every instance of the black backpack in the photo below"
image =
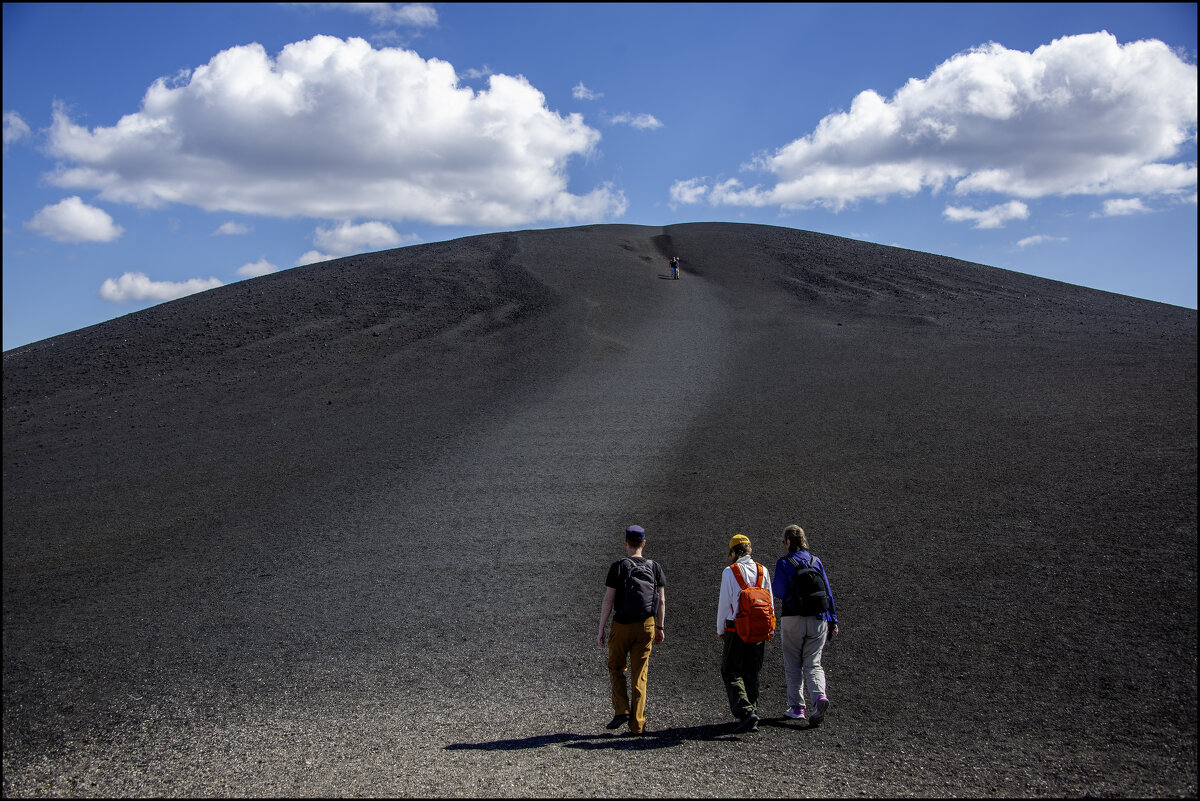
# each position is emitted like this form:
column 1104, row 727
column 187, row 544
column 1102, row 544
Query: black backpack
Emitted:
column 806, row 592
column 639, row 600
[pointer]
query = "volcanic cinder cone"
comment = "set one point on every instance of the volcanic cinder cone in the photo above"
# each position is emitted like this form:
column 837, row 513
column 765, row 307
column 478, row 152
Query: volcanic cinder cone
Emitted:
column 343, row 530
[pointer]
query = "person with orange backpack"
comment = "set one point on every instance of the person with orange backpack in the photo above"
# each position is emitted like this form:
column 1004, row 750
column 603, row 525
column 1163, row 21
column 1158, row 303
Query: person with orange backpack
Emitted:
column 745, row 621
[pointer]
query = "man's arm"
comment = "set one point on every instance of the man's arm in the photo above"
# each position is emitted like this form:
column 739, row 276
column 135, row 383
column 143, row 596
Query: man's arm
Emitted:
column 660, row 615
column 606, row 606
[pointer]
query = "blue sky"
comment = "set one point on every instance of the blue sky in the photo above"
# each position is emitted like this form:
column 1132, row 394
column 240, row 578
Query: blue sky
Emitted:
column 153, row 150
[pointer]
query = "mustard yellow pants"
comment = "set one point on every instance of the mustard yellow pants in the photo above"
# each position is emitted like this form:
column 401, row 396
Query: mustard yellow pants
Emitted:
column 630, row 642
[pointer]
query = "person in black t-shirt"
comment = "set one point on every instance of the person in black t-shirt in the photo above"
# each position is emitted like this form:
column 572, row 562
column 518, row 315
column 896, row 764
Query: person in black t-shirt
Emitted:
column 635, row 595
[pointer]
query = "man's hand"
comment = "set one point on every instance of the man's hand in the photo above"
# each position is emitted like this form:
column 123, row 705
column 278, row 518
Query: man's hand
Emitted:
column 600, row 638
column 833, row 632
column 659, row 636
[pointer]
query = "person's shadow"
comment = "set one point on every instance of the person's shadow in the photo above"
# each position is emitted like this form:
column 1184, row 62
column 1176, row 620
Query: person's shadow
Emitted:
column 650, row 739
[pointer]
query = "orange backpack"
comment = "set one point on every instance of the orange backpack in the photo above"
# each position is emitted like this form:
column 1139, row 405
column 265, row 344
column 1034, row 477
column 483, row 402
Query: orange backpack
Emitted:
column 755, row 620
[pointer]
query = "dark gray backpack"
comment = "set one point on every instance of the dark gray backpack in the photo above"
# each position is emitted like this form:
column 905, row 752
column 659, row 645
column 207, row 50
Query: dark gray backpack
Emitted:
column 806, row 592
column 639, row 599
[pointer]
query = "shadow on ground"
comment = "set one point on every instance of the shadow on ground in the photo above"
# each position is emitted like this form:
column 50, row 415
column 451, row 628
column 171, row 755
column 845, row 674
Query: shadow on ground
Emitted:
column 662, row 738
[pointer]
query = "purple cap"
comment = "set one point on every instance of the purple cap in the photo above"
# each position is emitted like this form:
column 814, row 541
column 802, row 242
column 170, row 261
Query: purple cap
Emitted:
column 635, row 534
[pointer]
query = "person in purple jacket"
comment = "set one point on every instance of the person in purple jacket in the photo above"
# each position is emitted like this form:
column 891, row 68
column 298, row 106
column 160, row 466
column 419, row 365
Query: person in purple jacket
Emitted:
column 809, row 616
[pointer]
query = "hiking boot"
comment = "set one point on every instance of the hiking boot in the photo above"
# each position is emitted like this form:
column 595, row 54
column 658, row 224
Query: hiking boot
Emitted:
column 617, row 722
column 818, row 714
column 796, row 713
column 748, row 723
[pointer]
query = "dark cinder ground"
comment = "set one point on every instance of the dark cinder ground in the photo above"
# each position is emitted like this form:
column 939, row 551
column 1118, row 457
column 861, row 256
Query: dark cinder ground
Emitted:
column 343, row 530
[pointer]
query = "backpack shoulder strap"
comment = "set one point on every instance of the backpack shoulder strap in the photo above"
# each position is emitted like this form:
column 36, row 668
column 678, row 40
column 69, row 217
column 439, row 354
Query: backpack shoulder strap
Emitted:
column 758, row 578
column 737, row 574
column 646, row 563
column 799, row 563
column 632, row 564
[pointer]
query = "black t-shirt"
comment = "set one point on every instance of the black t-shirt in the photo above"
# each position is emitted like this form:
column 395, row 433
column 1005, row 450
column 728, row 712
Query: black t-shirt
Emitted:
column 616, row 580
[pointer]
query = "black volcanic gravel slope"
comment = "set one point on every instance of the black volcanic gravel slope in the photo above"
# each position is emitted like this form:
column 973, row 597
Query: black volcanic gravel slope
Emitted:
column 342, row 530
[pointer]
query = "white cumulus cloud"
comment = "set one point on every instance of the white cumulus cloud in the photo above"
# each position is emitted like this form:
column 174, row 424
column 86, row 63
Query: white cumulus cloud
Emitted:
column 417, row 15
column 1123, row 206
column 1039, row 239
column 313, row 256
column 475, row 73
column 994, row 217
column 336, row 129
column 581, row 92
column 137, row 286
column 643, row 122
column 72, row 220
column 692, row 190
column 232, row 228
column 15, row 129
column 348, row 238
column 256, row 268
column 1083, row 115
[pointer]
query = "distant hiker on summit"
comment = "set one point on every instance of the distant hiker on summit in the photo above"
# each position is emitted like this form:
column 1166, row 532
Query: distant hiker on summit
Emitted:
column 745, row 621
column 635, row 588
column 808, row 616
column 675, row 267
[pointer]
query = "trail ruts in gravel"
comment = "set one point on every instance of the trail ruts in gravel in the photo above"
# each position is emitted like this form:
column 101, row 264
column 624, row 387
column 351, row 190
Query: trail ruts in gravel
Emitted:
column 343, row 530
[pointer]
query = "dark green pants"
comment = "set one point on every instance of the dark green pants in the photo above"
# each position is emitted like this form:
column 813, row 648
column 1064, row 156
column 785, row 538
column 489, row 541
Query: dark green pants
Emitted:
column 741, row 662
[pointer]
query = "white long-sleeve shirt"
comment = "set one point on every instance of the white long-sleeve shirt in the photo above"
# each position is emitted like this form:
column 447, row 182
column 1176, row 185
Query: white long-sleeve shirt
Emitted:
column 730, row 589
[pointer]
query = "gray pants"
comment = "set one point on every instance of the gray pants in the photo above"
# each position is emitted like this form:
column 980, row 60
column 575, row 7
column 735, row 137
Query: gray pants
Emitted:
column 803, row 638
